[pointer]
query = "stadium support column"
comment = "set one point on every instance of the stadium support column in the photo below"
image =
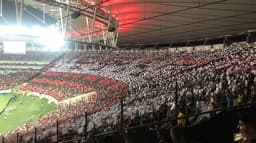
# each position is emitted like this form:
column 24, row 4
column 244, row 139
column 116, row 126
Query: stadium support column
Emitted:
column 188, row 43
column 66, row 22
column 17, row 138
column 1, row 8
column 103, row 35
column 85, row 123
column 61, row 19
column 113, row 33
column 122, row 131
column 112, row 37
column 44, row 11
column 176, row 98
column 205, row 41
column 19, row 10
column 93, row 23
column 88, row 29
column 108, row 33
column 57, row 130
column 122, row 113
column 2, row 139
column 35, row 136
column 251, row 37
column 226, row 41
column 248, row 37
column 116, row 37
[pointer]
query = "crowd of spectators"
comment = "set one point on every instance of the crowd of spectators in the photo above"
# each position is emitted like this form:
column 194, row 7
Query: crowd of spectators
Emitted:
column 200, row 80
column 11, row 80
column 16, row 69
column 208, row 79
column 67, row 85
column 41, row 57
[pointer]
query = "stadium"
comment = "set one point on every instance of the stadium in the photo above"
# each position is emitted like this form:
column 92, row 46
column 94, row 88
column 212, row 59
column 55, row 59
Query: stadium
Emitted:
column 127, row 71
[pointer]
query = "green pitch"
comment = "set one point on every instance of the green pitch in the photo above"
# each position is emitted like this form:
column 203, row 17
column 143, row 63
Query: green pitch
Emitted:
column 3, row 101
column 23, row 110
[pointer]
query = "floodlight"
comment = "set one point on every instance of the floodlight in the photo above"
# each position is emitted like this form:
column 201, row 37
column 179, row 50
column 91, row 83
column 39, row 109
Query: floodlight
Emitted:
column 52, row 39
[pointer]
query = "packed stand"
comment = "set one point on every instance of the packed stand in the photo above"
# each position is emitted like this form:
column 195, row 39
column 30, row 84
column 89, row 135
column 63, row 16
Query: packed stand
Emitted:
column 67, row 85
column 204, row 80
column 17, row 69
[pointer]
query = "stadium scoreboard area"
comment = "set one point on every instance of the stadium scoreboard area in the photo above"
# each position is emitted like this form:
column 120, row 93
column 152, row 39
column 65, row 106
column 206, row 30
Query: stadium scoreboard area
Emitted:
column 21, row 39
column 14, row 47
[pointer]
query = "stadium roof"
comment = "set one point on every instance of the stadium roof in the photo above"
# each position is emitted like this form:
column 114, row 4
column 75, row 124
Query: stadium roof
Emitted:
column 169, row 21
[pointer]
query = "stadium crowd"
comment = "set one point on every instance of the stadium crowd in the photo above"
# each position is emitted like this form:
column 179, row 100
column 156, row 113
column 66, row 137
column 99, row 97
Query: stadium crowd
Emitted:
column 201, row 76
column 203, row 80
column 67, row 85
column 16, row 69
column 10, row 80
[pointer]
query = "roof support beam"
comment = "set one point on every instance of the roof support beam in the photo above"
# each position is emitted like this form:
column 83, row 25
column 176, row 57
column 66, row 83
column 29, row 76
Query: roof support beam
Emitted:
column 88, row 29
column 44, row 12
column 93, row 23
column 67, row 18
column 61, row 19
column 104, row 37
column 1, row 7
column 116, row 37
column 19, row 10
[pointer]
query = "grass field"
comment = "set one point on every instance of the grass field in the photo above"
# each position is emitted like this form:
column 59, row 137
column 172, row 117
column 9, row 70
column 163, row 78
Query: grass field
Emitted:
column 3, row 101
column 23, row 110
